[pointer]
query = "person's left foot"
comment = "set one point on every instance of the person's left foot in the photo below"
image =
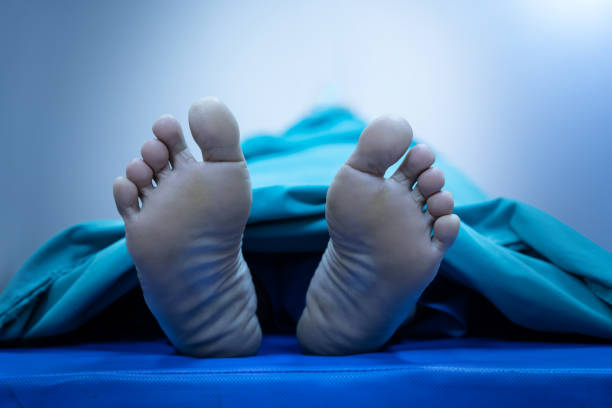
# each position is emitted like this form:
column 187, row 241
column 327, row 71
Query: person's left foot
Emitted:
column 381, row 253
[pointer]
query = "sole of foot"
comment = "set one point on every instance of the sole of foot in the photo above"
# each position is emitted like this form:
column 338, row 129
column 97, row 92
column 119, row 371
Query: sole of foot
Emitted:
column 387, row 239
column 184, row 221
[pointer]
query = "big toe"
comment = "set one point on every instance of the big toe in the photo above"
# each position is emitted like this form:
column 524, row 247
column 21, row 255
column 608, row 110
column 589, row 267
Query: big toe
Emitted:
column 215, row 130
column 382, row 143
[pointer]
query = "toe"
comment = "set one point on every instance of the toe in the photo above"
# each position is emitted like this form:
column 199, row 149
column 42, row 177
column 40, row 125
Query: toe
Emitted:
column 168, row 130
column 382, row 143
column 155, row 155
column 418, row 159
column 430, row 182
column 215, row 130
column 139, row 173
column 445, row 229
column 126, row 197
column 440, row 204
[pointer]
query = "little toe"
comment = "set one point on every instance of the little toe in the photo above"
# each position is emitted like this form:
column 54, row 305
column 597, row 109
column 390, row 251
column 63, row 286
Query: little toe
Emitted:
column 139, row 173
column 440, row 204
column 215, row 130
column 382, row 143
column 168, row 130
column 155, row 155
column 430, row 182
column 445, row 230
column 418, row 159
column 126, row 197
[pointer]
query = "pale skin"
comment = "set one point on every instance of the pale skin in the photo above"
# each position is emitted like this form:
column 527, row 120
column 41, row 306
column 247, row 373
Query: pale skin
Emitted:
column 185, row 238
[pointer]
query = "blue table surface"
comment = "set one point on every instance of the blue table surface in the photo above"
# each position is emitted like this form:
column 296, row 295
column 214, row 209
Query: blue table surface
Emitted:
column 433, row 372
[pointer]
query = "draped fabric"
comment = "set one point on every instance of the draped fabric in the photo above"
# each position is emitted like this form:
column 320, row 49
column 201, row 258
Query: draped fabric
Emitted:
column 516, row 263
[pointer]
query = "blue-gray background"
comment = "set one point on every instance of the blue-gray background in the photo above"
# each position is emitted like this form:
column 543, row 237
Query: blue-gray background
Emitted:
column 517, row 94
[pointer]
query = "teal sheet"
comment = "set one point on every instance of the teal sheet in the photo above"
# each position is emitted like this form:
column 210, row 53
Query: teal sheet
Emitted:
column 539, row 273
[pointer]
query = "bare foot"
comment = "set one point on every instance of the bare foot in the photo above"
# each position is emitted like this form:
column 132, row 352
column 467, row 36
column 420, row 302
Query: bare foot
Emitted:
column 381, row 255
column 186, row 237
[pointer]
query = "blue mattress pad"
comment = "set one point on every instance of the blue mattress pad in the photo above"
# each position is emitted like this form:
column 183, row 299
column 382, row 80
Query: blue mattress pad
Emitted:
column 442, row 372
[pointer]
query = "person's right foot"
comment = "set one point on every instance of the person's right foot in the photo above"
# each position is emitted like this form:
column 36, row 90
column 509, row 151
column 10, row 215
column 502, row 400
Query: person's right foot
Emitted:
column 186, row 237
